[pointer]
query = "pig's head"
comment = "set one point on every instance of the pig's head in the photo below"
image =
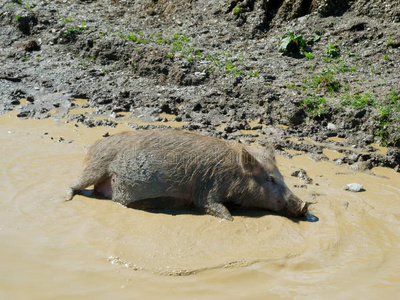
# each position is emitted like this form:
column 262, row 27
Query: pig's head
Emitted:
column 265, row 187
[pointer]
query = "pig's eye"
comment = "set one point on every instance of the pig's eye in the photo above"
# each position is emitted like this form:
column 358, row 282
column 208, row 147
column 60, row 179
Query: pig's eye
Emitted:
column 271, row 179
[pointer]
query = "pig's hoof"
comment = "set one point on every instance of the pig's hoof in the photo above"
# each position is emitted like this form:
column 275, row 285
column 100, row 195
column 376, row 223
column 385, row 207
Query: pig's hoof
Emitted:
column 70, row 194
column 228, row 218
column 220, row 211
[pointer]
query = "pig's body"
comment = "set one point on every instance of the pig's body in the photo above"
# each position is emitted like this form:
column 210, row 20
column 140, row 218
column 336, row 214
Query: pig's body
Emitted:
column 147, row 164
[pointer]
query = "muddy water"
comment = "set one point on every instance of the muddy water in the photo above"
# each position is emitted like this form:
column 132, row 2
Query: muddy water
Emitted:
column 91, row 248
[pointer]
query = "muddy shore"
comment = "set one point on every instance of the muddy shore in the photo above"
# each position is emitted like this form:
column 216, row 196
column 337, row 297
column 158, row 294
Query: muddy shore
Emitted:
column 214, row 65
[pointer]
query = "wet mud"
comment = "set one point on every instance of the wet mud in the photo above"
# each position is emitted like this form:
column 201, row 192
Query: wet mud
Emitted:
column 348, row 246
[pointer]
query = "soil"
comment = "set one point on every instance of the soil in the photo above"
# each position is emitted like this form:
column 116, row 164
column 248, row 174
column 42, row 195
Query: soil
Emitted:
column 213, row 65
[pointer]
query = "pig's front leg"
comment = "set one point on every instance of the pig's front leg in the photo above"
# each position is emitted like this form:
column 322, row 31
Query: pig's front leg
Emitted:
column 218, row 210
column 214, row 207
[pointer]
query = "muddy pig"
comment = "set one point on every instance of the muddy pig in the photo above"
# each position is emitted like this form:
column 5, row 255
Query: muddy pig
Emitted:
column 149, row 164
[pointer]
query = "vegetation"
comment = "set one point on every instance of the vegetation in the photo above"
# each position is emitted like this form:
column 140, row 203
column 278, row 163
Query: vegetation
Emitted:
column 388, row 119
column 315, row 106
column 332, row 51
column 358, row 101
column 308, row 55
column 291, row 43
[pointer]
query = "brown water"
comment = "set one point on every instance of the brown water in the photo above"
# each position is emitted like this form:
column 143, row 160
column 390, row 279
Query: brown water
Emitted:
column 97, row 249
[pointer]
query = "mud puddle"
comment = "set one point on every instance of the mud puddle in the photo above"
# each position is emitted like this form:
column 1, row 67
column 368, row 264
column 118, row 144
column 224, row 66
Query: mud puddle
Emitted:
column 91, row 248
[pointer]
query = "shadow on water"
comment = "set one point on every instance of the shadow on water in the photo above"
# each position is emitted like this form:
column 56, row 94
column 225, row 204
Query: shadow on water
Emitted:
column 172, row 206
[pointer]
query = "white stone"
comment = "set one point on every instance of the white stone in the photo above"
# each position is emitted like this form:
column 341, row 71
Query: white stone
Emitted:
column 353, row 187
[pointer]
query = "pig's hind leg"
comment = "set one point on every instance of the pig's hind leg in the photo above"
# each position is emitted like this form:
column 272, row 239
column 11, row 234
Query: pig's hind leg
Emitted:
column 91, row 175
column 121, row 191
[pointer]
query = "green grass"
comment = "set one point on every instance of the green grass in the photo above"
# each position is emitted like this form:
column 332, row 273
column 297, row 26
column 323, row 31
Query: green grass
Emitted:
column 76, row 29
column 308, row 55
column 358, row 101
column 389, row 42
column 324, row 81
column 315, row 106
column 342, row 67
column 388, row 120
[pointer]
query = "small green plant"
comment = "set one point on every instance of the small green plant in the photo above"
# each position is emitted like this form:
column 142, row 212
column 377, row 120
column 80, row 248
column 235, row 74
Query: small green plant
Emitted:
column 342, row 67
column 308, row 55
column 394, row 98
column 29, row 6
column 18, row 17
column 76, row 29
column 236, row 11
column 291, row 43
column 131, row 37
column 332, row 51
column 315, row 106
column 180, row 44
column 386, row 57
column 253, row 73
column 389, row 42
column 388, row 119
column 324, row 81
column 316, row 36
column 72, row 30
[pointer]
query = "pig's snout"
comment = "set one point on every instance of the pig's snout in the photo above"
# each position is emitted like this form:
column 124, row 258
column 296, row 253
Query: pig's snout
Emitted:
column 304, row 208
column 296, row 207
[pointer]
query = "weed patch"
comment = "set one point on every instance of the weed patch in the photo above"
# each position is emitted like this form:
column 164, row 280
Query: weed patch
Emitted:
column 314, row 106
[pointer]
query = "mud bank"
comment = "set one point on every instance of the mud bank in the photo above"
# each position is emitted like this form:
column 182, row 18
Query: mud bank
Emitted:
column 96, row 248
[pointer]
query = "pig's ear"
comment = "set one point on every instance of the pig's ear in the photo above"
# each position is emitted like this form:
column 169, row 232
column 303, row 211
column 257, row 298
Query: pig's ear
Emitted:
column 249, row 163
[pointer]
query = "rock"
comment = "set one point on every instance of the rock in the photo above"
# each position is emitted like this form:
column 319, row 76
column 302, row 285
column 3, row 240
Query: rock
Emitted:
column 331, row 126
column 302, row 174
column 29, row 45
column 354, row 187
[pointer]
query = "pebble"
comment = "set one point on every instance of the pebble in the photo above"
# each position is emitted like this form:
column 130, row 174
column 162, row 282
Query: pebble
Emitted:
column 353, row 187
column 331, row 126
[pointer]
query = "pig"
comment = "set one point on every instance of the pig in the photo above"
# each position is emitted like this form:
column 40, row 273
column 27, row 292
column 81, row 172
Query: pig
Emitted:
column 148, row 164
